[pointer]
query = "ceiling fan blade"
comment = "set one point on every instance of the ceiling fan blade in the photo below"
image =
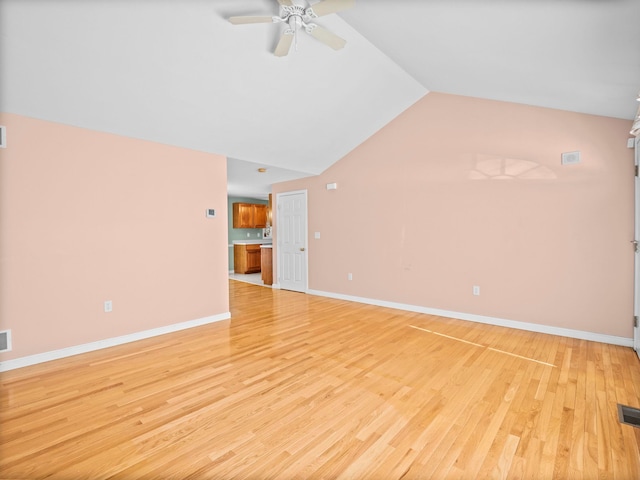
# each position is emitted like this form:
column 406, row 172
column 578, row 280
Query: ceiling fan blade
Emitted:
column 243, row 20
column 331, row 6
column 284, row 45
column 327, row 37
column 286, row 3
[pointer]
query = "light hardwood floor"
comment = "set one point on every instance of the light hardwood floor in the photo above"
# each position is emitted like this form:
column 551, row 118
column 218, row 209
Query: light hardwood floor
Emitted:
column 297, row 386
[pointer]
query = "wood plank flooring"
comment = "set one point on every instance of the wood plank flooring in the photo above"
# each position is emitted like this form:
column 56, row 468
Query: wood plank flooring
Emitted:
column 297, row 386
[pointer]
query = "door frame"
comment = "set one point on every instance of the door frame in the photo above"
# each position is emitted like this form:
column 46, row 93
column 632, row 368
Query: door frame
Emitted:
column 636, row 263
column 306, row 237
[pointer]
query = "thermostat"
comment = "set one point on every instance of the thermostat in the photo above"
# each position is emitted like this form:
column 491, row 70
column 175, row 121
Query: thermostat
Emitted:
column 570, row 158
column 211, row 212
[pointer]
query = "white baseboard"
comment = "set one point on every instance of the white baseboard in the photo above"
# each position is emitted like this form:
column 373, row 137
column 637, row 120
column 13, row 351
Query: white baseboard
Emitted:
column 109, row 342
column 532, row 327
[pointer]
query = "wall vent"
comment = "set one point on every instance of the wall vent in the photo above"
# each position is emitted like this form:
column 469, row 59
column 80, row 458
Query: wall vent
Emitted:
column 629, row 415
column 5, row 340
column 3, row 137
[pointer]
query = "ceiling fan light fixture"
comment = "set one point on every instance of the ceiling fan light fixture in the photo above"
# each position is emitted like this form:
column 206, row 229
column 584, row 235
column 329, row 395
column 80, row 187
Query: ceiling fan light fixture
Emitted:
column 294, row 21
column 298, row 17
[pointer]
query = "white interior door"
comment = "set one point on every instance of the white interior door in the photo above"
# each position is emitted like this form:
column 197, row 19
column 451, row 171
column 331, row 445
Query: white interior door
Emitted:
column 636, row 301
column 292, row 240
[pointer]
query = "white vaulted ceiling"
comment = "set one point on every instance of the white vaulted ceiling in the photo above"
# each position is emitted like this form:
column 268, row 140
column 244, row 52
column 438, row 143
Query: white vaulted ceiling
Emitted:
column 177, row 72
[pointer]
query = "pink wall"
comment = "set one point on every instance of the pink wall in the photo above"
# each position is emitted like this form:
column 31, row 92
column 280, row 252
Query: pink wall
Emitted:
column 87, row 217
column 458, row 191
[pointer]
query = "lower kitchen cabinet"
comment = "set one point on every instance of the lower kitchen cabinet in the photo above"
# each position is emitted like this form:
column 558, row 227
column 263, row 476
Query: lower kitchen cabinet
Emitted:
column 246, row 258
column 267, row 265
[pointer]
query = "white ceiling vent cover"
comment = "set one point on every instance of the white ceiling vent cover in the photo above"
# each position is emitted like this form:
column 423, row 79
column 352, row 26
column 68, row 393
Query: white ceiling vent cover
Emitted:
column 5, row 341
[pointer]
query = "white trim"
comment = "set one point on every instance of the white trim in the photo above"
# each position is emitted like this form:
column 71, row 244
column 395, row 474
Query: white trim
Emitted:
column 292, row 192
column 636, row 255
column 109, row 342
column 501, row 322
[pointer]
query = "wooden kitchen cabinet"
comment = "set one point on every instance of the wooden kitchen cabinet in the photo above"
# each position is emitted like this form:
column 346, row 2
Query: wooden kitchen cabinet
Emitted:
column 259, row 215
column 246, row 258
column 267, row 265
column 249, row 215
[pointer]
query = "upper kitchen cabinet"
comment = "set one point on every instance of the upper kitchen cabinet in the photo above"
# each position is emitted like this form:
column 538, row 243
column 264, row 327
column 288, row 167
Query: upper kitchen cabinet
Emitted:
column 249, row 215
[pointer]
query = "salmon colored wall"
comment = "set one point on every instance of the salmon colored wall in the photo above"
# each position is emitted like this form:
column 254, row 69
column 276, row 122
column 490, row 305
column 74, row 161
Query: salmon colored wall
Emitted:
column 458, row 192
column 87, row 217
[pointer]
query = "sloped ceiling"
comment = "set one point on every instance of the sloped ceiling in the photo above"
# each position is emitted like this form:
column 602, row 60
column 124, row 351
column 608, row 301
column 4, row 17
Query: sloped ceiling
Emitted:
column 179, row 73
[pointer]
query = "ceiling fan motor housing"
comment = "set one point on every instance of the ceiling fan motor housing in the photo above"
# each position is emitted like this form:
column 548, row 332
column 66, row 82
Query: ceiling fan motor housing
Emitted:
column 293, row 15
column 293, row 10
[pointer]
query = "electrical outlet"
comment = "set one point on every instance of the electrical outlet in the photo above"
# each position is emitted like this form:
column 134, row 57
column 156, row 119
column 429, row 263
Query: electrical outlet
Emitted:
column 476, row 290
column 108, row 306
column 350, row 276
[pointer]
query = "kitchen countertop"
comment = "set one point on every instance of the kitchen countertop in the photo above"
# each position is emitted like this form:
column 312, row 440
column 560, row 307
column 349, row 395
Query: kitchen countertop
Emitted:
column 262, row 241
column 266, row 245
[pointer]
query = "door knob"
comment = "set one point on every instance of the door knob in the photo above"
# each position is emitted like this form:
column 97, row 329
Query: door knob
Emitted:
column 302, row 249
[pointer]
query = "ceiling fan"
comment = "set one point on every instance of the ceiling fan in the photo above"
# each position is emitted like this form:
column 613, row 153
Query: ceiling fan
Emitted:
column 298, row 17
